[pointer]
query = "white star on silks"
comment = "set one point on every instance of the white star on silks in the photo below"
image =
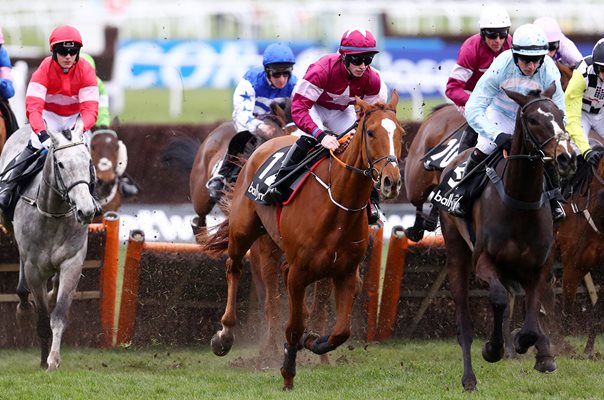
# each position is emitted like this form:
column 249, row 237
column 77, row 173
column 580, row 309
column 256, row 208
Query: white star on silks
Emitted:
column 341, row 99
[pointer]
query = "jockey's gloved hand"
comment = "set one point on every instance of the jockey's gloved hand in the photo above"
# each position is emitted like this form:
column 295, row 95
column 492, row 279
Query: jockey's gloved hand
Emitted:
column 329, row 141
column 593, row 157
column 44, row 139
column 504, row 141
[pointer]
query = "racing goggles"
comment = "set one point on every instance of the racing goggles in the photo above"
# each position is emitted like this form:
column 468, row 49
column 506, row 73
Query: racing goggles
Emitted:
column 530, row 59
column 496, row 33
column 278, row 74
column 65, row 48
column 553, row 46
column 358, row 59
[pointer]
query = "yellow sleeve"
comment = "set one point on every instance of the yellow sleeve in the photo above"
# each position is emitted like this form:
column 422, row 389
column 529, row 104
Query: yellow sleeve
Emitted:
column 573, row 98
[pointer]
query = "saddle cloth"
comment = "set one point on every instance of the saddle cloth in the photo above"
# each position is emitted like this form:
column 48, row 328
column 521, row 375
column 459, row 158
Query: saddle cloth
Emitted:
column 266, row 174
column 438, row 157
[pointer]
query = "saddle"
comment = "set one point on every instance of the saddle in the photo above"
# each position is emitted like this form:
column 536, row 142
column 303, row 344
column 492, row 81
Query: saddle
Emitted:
column 444, row 195
column 24, row 189
column 439, row 156
column 265, row 175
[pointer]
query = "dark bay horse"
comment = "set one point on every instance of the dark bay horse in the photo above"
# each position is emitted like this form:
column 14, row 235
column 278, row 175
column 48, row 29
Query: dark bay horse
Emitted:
column 105, row 147
column 50, row 227
column 323, row 231
column 581, row 241
column 439, row 127
column 514, row 234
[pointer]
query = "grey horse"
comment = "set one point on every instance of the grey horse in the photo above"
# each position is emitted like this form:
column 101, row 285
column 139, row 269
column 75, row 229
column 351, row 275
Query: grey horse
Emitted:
column 50, row 227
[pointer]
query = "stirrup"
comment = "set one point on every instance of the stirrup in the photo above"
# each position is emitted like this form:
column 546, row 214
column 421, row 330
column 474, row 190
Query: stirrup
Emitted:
column 273, row 195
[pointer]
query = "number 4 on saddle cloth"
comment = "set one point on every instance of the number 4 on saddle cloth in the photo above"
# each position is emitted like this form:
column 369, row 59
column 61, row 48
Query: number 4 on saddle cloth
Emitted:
column 266, row 174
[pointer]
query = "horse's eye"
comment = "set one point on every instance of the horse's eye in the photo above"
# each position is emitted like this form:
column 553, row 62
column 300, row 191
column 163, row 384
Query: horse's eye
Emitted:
column 370, row 133
column 532, row 121
column 60, row 164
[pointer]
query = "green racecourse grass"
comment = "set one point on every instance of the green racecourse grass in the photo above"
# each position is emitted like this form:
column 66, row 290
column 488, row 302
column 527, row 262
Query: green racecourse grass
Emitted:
column 208, row 105
column 391, row 370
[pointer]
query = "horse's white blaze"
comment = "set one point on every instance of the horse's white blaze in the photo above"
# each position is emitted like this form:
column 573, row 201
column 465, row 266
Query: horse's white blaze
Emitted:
column 104, row 164
column 559, row 133
column 390, row 127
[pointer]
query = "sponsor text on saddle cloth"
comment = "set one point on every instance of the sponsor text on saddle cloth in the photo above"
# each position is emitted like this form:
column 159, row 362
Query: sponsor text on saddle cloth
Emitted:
column 438, row 157
column 266, row 174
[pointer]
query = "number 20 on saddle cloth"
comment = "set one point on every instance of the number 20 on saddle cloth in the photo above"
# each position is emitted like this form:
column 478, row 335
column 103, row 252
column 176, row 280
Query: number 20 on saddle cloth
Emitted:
column 266, row 174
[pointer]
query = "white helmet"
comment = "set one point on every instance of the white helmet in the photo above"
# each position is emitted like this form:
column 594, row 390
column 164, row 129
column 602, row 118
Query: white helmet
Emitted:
column 529, row 40
column 550, row 26
column 494, row 16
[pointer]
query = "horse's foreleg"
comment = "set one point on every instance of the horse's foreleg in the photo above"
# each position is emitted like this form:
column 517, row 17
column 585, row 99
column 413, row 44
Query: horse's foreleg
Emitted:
column 498, row 298
column 531, row 332
column 595, row 324
column 319, row 310
column 43, row 324
column 67, row 283
column 24, row 307
column 296, row 289
column 222, row 341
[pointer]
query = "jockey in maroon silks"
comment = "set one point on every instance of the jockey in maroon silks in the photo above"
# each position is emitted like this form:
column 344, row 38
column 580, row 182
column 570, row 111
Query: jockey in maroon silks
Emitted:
column 476, row 56
column 60, row 91
column 323, row 102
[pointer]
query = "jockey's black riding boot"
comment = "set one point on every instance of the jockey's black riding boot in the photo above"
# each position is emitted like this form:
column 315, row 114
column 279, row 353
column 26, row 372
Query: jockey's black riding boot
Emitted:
column 462, row 205
column 374, row 213
column 468, row 139
column 552, row 180
column 296, row 153
column 12, row 172
column 217, row 182
column 128, row 187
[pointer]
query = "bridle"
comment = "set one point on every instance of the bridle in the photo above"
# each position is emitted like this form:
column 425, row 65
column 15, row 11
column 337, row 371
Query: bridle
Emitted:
column 59, row 186
column 537, row 152
column 370, row 171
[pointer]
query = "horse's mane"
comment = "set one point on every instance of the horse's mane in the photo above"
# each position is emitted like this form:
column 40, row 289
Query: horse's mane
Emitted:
column 439, row 107
column 580, row 181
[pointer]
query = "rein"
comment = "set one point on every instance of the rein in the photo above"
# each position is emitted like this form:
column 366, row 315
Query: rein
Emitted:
column 60, row 188
column 585, row 211
column 369, row 172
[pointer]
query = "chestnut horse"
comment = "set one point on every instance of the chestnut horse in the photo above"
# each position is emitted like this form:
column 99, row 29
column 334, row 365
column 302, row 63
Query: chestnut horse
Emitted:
column 322, row 231
column 514, row 235
column 104, row 150
column 581, row 240
column 265, row 257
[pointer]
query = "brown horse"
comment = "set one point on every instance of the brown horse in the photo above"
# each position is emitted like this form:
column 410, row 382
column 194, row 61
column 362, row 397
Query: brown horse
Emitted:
column 581, row 240
column 330, row 244
column 513, row 229
column 104, row 149
column 439, row 129
column 440, row 126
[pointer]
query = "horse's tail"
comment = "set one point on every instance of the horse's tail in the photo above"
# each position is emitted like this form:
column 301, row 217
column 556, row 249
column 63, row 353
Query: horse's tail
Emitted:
column 214, row 245
column 180, row 153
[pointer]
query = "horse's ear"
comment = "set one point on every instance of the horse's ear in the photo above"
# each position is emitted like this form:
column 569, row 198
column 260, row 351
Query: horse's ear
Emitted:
column 393, row 99
column 362, row 105
column 549, row 92
column 517, row 97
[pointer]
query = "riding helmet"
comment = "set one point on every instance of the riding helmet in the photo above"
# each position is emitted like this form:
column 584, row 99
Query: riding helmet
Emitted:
column 529, row 40
column 597, row 55
column 356, row 41
column 550, row 27
column 278, row 53
column 494, row 16
column 65, row 33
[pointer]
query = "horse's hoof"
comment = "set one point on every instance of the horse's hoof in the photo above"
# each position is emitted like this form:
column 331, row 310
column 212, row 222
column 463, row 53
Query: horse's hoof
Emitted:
column 54, row 360
column 414, row 234
column 522, row 341
column 221, row 346
column 469, row 383
column 492, row 353
column 546, row 365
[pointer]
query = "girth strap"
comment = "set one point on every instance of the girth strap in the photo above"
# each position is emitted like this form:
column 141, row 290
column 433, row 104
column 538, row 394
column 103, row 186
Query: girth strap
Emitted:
column 513, row 203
